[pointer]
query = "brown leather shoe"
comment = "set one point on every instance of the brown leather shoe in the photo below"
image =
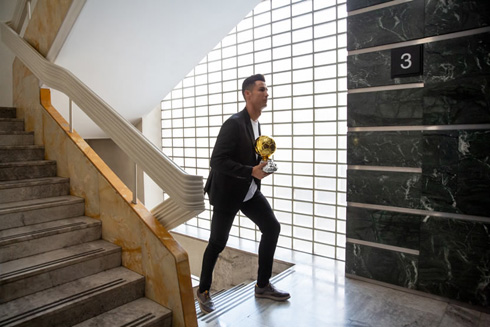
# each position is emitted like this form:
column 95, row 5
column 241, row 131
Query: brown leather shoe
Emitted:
column 270, row 292
column 205, row 302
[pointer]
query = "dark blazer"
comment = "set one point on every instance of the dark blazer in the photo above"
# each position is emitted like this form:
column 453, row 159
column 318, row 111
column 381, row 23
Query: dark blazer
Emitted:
column 231, row 162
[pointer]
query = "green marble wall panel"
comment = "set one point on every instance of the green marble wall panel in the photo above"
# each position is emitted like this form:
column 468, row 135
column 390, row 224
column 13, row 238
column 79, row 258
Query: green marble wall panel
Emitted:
column 457, row 81
column 384, row 227
column 373, row 69
column 459, row 61
column 454, row 260
column 456, row 172
column 457, row 102
column 384, row 188
column 456, row 90
column 385, row 108
column 391, row 24
column 394, row 149
column 442, row 16
column 387, row 266
column 461, row 58
column 413, row 20
column 358, row 4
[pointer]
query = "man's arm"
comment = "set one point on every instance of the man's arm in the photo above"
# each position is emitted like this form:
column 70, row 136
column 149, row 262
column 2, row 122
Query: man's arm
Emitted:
column 257, row 171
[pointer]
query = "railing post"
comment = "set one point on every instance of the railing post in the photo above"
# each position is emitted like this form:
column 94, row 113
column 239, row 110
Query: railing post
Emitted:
column 29, row 10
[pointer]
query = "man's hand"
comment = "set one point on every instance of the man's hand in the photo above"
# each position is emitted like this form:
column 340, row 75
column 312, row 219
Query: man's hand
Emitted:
column 257, row 171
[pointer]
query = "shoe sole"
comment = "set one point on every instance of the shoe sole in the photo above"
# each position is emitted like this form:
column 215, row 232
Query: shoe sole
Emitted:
column 275, row 298
column 204, row 310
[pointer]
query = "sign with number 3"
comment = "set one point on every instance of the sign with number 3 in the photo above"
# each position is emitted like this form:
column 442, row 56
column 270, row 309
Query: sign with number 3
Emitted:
column 407, row 61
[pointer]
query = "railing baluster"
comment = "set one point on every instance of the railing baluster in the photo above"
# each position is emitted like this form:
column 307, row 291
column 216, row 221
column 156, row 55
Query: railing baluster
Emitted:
column 29, row 9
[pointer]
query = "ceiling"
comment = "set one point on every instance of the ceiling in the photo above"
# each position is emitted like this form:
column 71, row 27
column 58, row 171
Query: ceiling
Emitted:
column 133, row 53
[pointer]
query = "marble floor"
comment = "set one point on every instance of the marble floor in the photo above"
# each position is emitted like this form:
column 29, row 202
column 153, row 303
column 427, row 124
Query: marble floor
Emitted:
column 321, row 295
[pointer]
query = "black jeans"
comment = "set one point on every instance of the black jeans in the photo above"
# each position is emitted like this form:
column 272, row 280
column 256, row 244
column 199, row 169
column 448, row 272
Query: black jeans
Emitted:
column 260, row 212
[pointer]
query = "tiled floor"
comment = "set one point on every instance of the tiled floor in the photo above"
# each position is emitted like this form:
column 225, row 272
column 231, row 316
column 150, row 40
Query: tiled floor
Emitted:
column 322, row 296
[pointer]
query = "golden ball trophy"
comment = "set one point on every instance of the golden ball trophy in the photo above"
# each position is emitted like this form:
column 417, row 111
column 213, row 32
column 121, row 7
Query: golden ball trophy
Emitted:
column 265, row 146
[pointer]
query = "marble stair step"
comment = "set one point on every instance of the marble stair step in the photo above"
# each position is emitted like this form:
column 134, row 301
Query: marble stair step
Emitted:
column 28, row 189
column 223, row 299
column 8, row 112
column 20, row 242
column 226, row 300
column 16, row 138
column 36, row 211
column 27, row 170
column 49, row 269
column 76, row 301
column 142, row 313
column 15, row 153
column 11, row 124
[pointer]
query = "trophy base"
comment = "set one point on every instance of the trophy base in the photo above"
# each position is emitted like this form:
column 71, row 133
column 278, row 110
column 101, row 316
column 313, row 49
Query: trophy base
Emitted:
column 270, row 167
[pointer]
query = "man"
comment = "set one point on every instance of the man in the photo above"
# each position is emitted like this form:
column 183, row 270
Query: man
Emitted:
column 234, row 184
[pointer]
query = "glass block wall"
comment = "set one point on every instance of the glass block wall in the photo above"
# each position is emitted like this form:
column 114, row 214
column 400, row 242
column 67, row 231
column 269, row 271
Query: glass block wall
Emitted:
column 300, row 47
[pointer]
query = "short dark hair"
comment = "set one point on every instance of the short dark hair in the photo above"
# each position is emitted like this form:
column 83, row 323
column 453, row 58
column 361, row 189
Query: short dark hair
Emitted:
column 249, row 82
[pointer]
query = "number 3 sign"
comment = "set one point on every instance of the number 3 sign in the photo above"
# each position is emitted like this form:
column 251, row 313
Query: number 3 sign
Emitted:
column 407, row 61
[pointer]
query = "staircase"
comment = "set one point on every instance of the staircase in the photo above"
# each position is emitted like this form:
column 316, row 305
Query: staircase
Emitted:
column 55, row 270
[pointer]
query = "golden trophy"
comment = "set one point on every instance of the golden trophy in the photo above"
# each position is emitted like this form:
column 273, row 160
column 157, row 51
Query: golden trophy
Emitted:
column 265, row 146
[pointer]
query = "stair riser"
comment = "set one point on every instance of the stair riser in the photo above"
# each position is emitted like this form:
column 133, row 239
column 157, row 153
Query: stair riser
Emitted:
column 130, row 315
column 155, row 322
column 27, row 172
column 49, row 243
column 17, row 139
column 17, row 155
column 6, row 112
column 37, row 216
column 162, row 322
column 86, row 307
column 11, row 126
column 34, row 192
column 69, row 272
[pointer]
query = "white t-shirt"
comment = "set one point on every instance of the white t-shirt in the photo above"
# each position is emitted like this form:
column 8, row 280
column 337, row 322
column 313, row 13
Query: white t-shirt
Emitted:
column 253, row 185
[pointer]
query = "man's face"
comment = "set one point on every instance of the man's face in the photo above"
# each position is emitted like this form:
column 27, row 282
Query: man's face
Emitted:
column 258, row 97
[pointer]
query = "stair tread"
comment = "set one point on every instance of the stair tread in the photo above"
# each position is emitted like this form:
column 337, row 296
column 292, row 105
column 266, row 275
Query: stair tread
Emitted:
column 20, row 147
column 32, row 182
column 140, row 310
column 25, row 233
column 48, row 261
column 66, row 295
column 27, row 163
column 18, row 206
column 16, row 133
column 12, row 119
